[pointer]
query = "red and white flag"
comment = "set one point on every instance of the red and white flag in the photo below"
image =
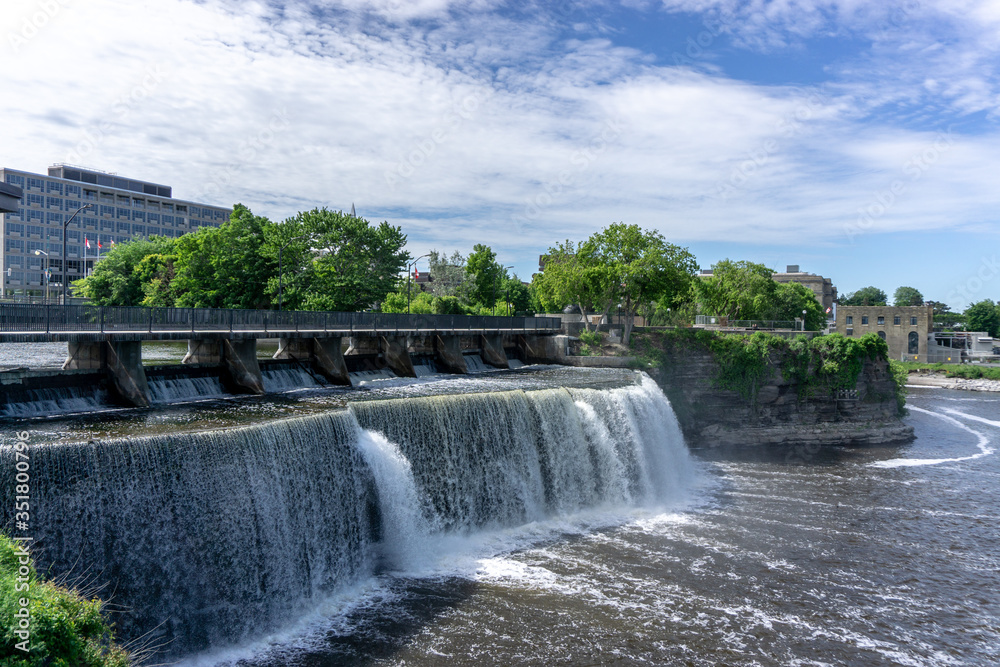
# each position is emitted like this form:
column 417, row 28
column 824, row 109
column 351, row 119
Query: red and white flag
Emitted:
column 416, row 274
column 99, row 243
column 86, row 242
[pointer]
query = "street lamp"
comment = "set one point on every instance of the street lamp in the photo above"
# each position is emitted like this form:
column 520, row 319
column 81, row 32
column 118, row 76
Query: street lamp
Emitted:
column 45, row 273
column 280, row 250
column 496, row 287
column 408, row 268
column 65, row 269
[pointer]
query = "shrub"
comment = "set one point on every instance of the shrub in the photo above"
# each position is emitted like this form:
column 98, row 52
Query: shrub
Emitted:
column 66, row 630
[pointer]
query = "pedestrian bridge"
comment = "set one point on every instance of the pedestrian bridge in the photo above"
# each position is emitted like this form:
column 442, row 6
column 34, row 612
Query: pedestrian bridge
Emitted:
column 109, row 339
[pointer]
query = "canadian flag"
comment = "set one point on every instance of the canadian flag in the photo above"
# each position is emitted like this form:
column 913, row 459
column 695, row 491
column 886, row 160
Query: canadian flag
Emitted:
column 416, row 274
column 86, row 243
column 112, row 242
column 99, row 245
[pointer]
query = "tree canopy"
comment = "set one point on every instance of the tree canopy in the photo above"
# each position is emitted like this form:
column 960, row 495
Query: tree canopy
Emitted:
column 983, row 316
column 907, row 296
column 866, row 296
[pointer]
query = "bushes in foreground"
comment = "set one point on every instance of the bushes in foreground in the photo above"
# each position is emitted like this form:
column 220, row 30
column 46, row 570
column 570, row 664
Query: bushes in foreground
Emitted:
column 64, row 630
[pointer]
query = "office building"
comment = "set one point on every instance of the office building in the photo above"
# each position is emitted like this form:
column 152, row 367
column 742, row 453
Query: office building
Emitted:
column 122, row 209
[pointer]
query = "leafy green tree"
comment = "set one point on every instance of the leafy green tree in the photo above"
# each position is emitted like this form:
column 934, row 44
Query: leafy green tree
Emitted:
column 907, row 296
column 448, row 275
column 487, row 275
column 636, row 267
column 983, row 316
column 156, row 272
column 791, row 299
column 115, row 280
column 866, row 296
column 567, row 279
column 347, row 264
column 739, row 290
column 516, row 295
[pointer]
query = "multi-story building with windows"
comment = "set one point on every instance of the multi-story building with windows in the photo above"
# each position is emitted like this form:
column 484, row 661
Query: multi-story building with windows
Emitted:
column 121, row 210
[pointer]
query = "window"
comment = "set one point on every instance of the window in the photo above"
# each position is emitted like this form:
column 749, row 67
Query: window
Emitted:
column 14, row 179
column 107, row 211
column 138, row 203
column 57, row 219
column 15, row 261
column 73, row 237
column 124, row 213
column 881, row 319
column 153, row 218
column 124, row 228
column 90, row 195
column 107, row 198
column 17, row 276
column 34, row 278
column 881, row 334
column 896, row 319
column 139, row 215
column 74, row 191
column 72, row 251
column 864, row 319
column 36, row 231
column 124, row 201
column 36, row 200
column 913, row 343
column 35, row 245
column 36, row 183
column 913, row 321
column 181, row 208
column 154, row 231
column 850, row 332
column 35, row 215
column 168, row 207
column 15, row 229
column 55, row 249
column 168, row 220
column 139, row 229
column 54, row 187
column 153, row 205
column 850, row 319
column 107, row 226
column 53, row 202
column 194, row 211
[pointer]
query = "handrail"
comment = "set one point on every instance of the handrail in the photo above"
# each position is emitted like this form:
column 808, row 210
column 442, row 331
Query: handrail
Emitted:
column 49, row 318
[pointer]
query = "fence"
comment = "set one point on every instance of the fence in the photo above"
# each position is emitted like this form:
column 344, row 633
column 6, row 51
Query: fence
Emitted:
column 722, row 321
column 32, row 318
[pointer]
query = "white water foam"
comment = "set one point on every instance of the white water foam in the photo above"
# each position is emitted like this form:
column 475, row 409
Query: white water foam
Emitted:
column 181, row 389
column 982, row 443
column 282, row 380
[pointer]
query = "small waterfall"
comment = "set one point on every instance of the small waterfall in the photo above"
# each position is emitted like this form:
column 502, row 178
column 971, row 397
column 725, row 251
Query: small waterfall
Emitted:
column 475, row 364
column 287, row 378
column 177, row 389
column 360, row 378
column 214, row 537
column 56, row 401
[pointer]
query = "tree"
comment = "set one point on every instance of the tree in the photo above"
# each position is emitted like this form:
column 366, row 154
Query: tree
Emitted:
column 115, row 280
column 983, row 316
column 793, row 298
column 738, row 290
column 346, row 264
column 567, row 279
column 487, row 275
column 866, row 296
column 635, row 267
column 907, row 296
column 448, row 275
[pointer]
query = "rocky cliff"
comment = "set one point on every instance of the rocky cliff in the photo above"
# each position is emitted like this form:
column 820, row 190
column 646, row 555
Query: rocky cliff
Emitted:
column 785, row 409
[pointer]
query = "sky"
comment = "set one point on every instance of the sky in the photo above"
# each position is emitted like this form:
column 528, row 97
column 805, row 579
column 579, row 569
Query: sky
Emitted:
column 858, row 140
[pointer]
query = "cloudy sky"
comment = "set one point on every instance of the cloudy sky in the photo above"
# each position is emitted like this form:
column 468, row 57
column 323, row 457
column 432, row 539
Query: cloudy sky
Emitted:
column 860, row 140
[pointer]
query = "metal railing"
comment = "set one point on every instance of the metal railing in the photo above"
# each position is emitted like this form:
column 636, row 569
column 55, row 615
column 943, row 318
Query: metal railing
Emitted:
column 34, row 318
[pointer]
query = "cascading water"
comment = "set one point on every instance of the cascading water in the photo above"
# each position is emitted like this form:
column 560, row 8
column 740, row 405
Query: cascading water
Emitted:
column 55, row 401
column 172, row 390
column 210, row 538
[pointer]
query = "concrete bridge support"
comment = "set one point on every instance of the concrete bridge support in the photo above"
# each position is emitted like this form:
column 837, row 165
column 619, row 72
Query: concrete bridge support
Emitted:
column 323, row 353
column 491, row 349
column 203, row 352
column 448, row 352
column 123, row 363
column 553, row 349
column 241, row 371
column 396, row 356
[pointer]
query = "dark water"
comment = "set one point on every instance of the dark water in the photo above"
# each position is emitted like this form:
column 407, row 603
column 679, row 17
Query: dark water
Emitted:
column 877, row 556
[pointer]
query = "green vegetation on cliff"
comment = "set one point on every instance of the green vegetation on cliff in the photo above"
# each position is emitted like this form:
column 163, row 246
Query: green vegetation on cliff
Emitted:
column 747, row 362
column 63, row 628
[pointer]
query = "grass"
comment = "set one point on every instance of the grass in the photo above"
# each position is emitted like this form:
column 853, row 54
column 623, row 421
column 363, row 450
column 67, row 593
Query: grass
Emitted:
column 66, row 629
column 967, row 371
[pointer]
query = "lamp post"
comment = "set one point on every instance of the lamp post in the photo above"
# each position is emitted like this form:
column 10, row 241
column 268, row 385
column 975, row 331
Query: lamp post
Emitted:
column 65, row 269
column 281, row 250
column 803, row 320
column 45, row 273
column 408, row 268
column 496, row 286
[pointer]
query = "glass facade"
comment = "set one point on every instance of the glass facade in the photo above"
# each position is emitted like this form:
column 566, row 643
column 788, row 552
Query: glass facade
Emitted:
column 50, row 201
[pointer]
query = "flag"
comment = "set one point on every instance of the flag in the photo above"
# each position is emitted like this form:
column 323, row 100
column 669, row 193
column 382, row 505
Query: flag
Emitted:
column 829, row 310
column 416, row 274
column 99, row 243
column 112, row 243
column 86, row 243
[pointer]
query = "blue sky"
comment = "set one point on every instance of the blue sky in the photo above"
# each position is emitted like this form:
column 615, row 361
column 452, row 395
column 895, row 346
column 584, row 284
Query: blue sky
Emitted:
column 858, row 140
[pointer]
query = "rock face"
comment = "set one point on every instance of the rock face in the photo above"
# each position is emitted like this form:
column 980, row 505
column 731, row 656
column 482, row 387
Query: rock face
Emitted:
column 778, row 415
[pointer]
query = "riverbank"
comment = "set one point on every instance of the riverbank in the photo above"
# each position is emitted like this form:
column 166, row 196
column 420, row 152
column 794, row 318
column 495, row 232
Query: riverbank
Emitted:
column 943, row 381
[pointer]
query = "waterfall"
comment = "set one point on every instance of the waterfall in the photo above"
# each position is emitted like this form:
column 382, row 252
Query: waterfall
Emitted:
column 287, row 378
column 174, row 389
column 211, row 538
column 54, row 401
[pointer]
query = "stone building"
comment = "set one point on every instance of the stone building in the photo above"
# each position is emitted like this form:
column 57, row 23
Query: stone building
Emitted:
column 822, row 287
column 906, row 329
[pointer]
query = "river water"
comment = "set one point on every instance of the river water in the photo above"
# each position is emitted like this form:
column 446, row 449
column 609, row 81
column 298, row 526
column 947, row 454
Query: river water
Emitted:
column 874, row 556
